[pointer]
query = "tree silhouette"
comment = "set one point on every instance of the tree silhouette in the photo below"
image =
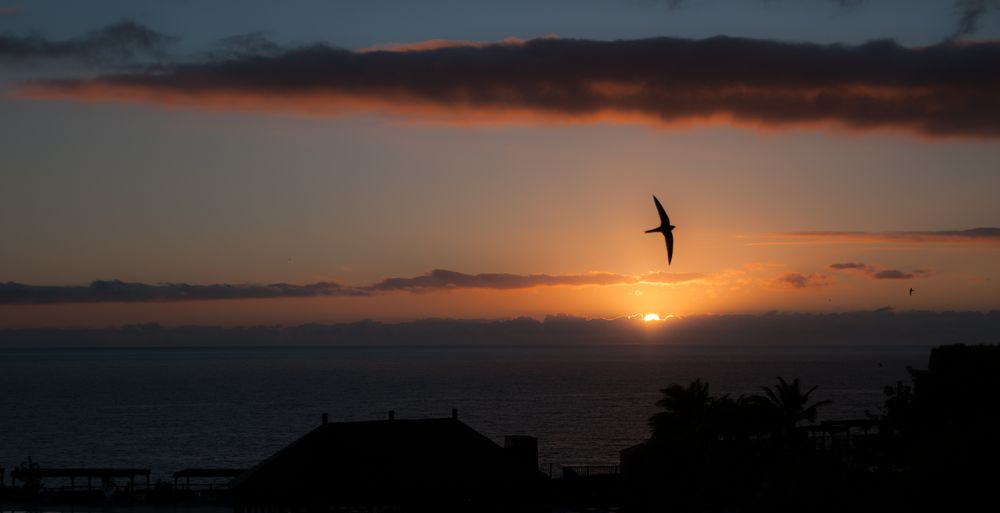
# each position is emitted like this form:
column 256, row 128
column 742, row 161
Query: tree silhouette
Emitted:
column 686, row 413
column 743, row 418
column 789, row 406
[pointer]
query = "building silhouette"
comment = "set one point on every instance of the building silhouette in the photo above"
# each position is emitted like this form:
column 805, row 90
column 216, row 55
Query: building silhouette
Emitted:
column 394, row 465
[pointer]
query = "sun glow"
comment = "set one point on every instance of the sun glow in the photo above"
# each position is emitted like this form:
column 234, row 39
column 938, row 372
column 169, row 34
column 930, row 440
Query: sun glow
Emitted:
column 651, row 317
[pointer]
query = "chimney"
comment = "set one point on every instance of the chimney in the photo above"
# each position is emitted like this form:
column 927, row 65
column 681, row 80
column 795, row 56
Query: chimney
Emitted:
column 325, row 418
column 522, row 451
column 392, row 414
column 454, row 413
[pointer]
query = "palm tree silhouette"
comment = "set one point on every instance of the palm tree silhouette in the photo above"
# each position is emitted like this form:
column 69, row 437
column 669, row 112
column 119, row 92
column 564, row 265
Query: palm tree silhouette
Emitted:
column 789, row 406
column 686, row 412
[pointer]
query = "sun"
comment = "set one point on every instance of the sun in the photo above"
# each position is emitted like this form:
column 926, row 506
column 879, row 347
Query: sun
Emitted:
column 651, row 317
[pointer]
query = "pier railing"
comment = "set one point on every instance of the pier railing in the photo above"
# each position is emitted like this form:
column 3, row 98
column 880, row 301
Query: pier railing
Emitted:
column 578, row 471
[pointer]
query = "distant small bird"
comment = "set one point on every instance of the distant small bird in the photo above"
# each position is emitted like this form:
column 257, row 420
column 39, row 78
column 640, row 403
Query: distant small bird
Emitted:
column 665, row 228
column 911, row 291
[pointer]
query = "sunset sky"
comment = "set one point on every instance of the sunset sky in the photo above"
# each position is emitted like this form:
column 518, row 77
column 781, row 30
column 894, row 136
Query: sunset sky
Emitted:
column 250, row 162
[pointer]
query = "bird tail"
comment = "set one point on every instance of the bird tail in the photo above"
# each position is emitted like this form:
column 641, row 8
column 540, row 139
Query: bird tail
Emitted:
column 657, row 229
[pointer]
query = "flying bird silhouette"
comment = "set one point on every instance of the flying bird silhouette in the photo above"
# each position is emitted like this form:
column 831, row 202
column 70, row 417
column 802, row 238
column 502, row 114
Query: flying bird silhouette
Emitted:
column 665, row 228
column 911, row 291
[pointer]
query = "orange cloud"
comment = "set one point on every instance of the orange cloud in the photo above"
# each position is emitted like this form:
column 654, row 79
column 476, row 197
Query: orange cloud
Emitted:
column 663, row 82
column 664, row 277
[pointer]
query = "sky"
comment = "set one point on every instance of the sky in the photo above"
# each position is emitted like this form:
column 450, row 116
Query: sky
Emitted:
column 244, row 163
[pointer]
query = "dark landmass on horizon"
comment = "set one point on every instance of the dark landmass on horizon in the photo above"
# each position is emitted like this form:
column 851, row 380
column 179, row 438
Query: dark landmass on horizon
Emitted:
column 871, row 327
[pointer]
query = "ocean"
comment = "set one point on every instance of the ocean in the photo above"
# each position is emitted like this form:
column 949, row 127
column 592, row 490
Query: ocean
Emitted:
column 169, row 409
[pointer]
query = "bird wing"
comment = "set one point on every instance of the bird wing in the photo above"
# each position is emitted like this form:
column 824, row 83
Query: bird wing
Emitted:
column 670, row 246
column 664, row 220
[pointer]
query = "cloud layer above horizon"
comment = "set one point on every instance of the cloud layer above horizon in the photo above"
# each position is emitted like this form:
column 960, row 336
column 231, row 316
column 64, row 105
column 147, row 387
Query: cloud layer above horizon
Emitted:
column 950, row 89
column 972, row 236
column 881, row 327
column 101, row 291
column 439, row 279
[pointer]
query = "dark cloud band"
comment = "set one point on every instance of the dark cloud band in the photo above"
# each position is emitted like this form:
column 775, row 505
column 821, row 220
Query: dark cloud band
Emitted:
column 444, row 279
column 784, row 329
column 975, row 235
column 948, row 89
column 877, row 273
column 118, row 291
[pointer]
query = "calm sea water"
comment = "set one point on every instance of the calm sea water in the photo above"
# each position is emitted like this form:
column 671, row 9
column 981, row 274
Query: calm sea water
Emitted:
column 168, row 409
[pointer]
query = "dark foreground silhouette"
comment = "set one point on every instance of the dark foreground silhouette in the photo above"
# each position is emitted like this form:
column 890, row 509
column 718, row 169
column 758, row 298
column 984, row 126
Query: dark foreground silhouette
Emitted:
column 392, row 465
column 934, row 446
